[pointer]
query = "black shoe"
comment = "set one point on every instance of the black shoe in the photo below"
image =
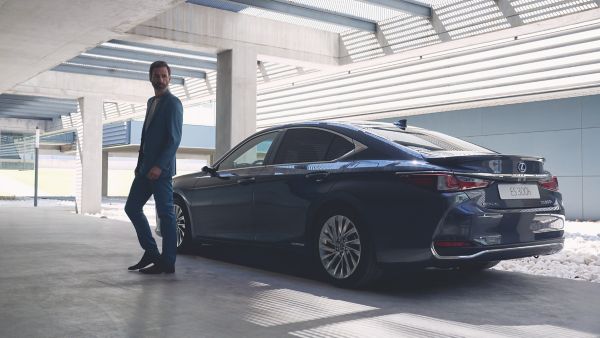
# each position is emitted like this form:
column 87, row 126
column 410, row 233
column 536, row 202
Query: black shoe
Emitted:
column 157, row 268
column 146, row 260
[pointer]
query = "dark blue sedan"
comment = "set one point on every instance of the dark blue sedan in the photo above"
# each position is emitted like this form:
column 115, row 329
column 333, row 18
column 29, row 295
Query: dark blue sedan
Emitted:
column 361, row 196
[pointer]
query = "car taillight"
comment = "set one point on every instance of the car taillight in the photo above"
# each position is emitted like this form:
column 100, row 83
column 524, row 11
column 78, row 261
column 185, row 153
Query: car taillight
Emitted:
column 457, row 183
column 550, row 183
column 448, row 182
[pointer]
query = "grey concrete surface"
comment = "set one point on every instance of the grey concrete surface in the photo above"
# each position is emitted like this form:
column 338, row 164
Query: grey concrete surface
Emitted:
column 64, row 275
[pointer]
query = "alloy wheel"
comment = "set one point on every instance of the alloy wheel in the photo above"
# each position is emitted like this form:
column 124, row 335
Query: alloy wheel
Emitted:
column 339, row 246
column 180, row 221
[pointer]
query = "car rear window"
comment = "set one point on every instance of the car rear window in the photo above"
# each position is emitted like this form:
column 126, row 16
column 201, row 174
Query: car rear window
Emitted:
column 426, row 142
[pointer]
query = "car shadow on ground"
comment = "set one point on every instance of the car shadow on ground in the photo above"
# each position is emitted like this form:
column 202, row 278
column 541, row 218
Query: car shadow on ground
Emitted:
column 395, row 279
column 489, row 302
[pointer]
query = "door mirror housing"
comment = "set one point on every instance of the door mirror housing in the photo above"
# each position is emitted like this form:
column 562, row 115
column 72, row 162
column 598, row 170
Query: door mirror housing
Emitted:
column 212, row 171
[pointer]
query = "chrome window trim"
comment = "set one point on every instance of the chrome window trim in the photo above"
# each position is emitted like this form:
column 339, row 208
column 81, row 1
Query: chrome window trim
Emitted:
column 358, row 147
column 229, row 153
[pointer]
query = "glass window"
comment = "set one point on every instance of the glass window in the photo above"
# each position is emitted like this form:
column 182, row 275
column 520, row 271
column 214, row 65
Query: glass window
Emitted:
column 303, row 145
column 338, row 148
column 251, row 154
column 424, row 141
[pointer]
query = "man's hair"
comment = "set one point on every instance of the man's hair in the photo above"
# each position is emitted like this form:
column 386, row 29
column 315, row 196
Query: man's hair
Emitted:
column 158, row 64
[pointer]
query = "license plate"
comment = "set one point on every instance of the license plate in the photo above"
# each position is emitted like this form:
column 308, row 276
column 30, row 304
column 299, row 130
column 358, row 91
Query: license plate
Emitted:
column 518, row 191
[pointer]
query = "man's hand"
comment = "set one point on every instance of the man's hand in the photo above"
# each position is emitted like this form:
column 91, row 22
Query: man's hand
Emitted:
column 154, row 173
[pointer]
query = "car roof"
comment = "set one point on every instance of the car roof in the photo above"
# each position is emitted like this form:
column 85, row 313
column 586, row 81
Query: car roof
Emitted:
column 354, row 125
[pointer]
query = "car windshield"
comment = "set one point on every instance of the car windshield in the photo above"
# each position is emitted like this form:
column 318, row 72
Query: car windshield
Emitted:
column 426, row 142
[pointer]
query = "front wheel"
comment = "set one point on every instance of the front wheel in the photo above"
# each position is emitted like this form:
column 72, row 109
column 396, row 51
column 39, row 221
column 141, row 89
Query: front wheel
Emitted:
column 344, row 253
column 183, row 227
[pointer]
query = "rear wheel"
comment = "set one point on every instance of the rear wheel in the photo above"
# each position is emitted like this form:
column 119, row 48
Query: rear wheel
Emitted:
column 344, row 253
column 183, row 227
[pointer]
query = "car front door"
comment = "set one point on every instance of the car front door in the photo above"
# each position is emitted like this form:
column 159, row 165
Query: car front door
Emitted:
column 222, row 203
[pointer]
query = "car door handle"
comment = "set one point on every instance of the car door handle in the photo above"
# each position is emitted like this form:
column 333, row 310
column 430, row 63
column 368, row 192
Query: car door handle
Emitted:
column 246, row 180
column 318, row 176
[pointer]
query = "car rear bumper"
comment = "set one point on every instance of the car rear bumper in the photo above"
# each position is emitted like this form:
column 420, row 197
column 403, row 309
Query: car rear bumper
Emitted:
column 432, row 257
column 494, row 253
column 467, row 231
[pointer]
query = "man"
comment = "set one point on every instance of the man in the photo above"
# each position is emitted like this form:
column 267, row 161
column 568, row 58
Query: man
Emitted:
column 154, row 173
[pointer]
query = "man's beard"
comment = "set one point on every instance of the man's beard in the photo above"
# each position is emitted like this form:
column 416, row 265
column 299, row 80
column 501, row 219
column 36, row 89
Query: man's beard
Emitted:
column 158, row 86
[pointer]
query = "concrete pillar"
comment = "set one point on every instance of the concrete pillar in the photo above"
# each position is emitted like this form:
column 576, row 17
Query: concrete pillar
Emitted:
column 236, row 98
column 89, row 155
column 105, row 173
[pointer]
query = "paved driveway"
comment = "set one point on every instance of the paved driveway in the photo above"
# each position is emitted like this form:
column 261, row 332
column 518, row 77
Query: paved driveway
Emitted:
column 63, row 274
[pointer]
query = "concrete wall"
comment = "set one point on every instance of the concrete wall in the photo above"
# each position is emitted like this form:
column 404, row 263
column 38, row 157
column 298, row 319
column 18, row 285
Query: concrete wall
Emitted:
column 566, row 132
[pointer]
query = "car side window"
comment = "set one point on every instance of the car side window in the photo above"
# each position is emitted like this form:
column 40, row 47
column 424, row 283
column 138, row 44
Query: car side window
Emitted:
column 338, row 148
column 251, row 154
column 303, row 145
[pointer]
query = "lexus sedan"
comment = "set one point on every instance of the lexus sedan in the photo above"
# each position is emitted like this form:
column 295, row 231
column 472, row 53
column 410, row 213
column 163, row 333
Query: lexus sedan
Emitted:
column 358, row 197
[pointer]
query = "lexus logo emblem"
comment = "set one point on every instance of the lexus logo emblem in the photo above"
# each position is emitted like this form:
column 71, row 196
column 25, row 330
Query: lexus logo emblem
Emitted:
column 522, row 167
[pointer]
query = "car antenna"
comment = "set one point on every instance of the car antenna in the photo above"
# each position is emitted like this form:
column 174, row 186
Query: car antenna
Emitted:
column 401, row 124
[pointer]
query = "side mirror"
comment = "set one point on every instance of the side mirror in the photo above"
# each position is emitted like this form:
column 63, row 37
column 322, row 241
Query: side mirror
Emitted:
column 210, row 170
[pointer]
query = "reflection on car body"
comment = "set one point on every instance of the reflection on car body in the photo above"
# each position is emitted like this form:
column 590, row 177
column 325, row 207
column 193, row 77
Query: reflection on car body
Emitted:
column 357, row 196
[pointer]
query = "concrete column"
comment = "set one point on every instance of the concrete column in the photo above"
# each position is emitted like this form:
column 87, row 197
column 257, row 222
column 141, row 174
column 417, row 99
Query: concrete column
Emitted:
column 89, row 155
column 105, row 173
column 236, row 98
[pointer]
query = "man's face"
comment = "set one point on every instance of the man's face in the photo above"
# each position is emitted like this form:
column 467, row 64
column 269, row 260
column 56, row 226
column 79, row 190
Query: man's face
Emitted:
column 160, row 78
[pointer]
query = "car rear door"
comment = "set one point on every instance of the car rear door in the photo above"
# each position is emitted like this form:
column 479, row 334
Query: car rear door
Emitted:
column 303, row 169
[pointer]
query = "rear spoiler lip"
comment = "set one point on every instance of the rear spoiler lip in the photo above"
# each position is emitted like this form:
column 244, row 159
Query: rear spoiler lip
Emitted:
column 489, row 176
column 509, row 177
column 481, row 157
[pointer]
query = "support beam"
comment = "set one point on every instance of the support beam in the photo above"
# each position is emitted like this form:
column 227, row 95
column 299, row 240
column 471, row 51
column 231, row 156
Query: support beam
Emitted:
column 151, row 57
column 61, row 84
column 88, row 187
column 383, row 42
column 28, row 114
column 212, row 58
column 21, row 125
column 218, row 30
column 439, row 28
column 509, row 13
column 303, row 12
column 40, row 34
column 406, row 6
column 37, row 106
column 132, row 66
column 77, row 69
column 236, row 98
column 37, row 99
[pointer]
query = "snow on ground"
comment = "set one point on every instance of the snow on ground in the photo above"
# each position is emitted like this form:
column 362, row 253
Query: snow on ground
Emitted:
column 579, row 260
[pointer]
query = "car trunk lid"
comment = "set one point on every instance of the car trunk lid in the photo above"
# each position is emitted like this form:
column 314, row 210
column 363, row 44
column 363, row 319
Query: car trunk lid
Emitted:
column 514, row 180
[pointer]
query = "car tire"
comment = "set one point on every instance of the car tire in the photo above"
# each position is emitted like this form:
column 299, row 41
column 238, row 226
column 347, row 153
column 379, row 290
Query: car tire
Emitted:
column 343, row 250
column 477, row 266
column 183, row 227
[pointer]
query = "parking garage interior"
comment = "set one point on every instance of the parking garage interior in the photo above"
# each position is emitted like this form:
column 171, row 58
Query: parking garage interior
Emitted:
column 518, row 76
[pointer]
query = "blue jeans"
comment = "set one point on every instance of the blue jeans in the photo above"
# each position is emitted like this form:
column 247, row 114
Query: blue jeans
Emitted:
column 162, row 189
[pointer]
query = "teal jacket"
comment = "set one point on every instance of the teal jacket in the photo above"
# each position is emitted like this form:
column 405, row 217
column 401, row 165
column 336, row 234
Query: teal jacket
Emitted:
column 161, row 138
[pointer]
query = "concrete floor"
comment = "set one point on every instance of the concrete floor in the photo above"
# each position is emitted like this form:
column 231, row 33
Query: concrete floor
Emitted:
column 64, row 275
